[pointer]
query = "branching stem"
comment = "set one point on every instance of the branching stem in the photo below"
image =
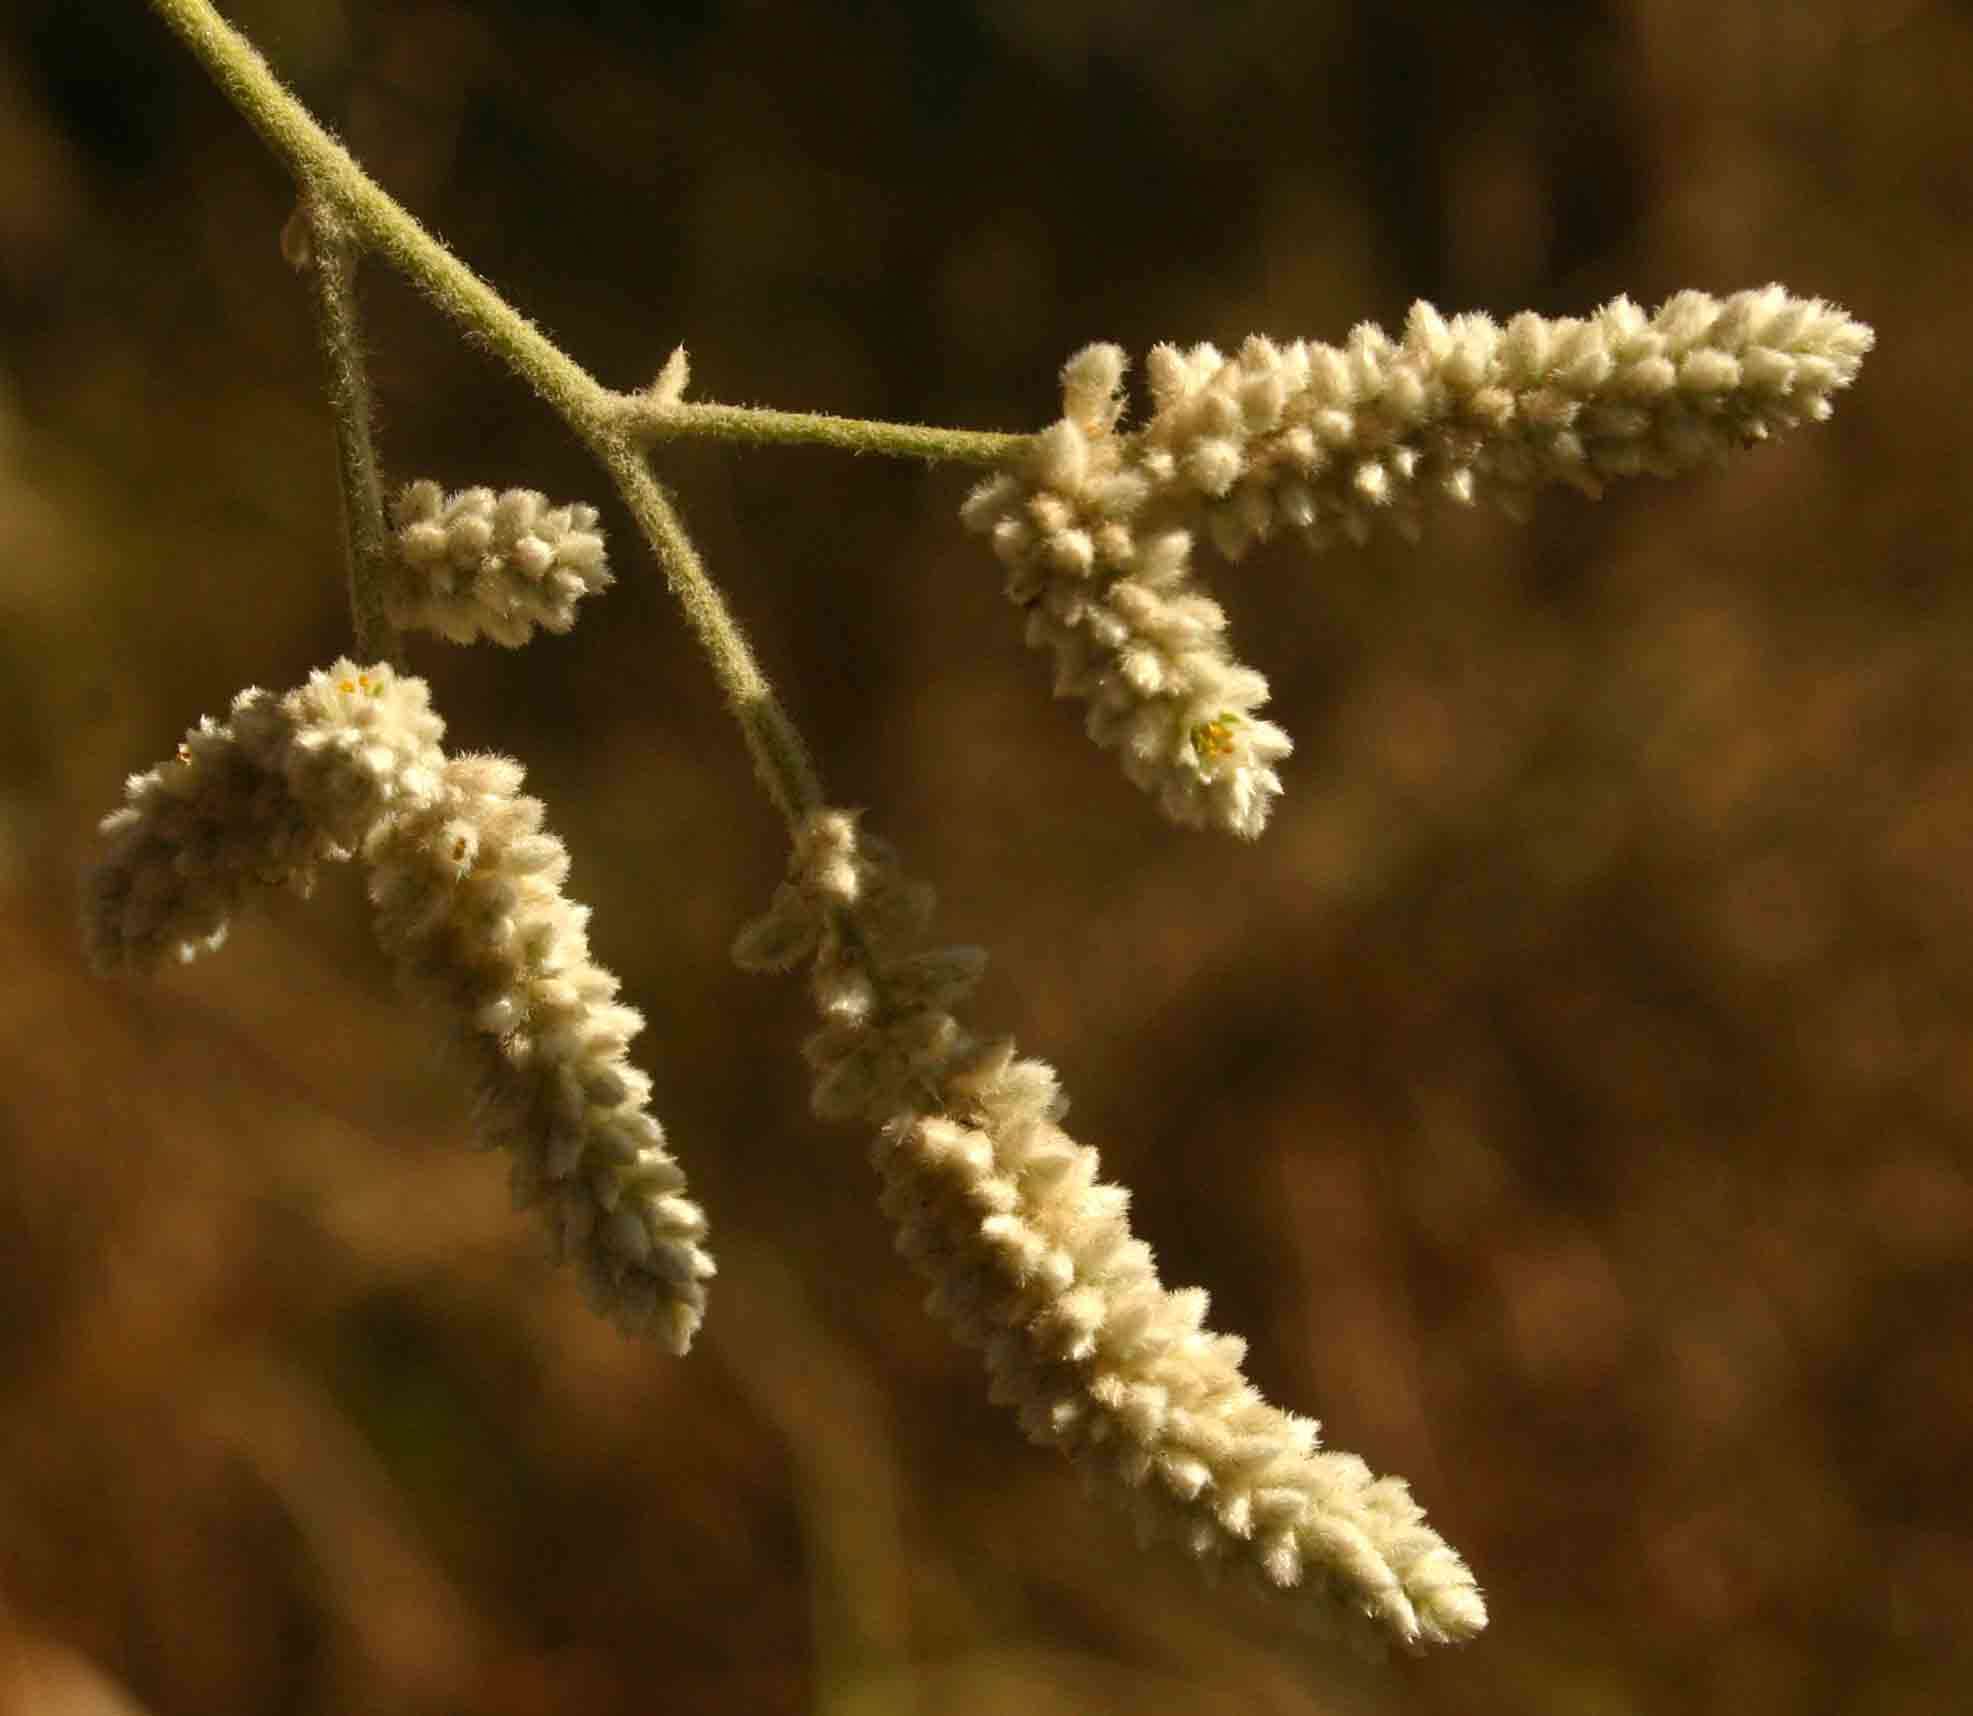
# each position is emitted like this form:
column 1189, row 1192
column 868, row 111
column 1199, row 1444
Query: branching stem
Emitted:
column 377, row 222
column 351, row 214
column 779, row 756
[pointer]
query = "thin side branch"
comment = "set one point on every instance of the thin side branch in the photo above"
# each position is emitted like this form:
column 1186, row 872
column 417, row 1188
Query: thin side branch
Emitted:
column 755, row 426
column 378, row 222
column 330, row 261
column 780, row 757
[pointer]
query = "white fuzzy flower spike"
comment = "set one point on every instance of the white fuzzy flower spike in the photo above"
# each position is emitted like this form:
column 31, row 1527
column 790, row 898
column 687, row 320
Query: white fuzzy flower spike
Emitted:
column 467, row 886
column 1328, row 441
column 470, row 908
column 479, row 564
column 1030, row 1257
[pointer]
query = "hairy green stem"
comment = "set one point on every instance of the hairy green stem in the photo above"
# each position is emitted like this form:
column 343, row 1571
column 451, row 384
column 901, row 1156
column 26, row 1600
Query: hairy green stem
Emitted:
column 780, row 758
column 375, row 220
column 754, row 426
column 363, row 216
column 329, row 260
column 381, row 224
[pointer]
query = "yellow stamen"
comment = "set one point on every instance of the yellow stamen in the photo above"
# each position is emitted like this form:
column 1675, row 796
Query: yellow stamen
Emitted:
column 1212, row 740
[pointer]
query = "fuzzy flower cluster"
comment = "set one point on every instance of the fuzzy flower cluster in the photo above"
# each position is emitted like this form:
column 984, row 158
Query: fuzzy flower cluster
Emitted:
column 1325, row 440
column 479, row 564
column 1108, row 589
column 1096, row 526
column 468, row 894
column 260, row 800
column 467, row 888
column 1030, row 1257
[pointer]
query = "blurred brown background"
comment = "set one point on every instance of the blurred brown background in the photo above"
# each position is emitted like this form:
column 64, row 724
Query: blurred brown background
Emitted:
column 1571, row 1095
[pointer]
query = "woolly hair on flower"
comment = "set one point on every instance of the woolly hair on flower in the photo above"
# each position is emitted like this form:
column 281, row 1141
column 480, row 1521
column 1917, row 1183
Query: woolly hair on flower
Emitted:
column 1029, row 1256
column 467, row 888
column 1326, row 440
column 483, row 565
column 262, row 799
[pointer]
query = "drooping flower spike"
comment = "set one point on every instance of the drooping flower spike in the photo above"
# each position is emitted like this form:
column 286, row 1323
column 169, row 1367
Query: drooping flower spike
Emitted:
column 1029, row 1256
column 467, row 889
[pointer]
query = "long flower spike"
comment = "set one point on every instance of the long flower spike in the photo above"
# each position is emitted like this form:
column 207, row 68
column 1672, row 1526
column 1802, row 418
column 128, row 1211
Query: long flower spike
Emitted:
column 467, row 889
column 1326, row 441
column 1030, row 1257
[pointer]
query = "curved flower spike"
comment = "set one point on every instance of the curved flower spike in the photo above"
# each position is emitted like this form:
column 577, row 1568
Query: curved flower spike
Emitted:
column 1108, row 591
column 1029, row 1256
column 477, row 564
column 467, row 888
column 262, row 799
column 469, row 906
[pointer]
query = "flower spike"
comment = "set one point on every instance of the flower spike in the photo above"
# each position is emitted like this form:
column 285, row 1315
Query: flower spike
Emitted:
column 469, row 907
column 479, row 564
column 1108, row 590
column 1029, row 1256
column 1326, row 441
